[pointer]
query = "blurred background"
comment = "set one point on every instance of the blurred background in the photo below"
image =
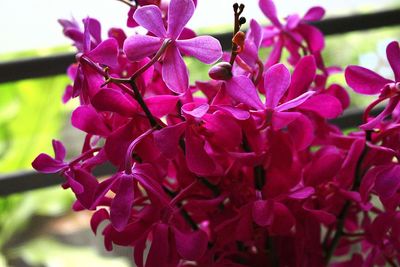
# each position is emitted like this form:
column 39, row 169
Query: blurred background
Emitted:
column 37, row 227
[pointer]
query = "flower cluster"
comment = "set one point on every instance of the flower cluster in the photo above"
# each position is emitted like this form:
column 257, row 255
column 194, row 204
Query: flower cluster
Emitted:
column 244, row 169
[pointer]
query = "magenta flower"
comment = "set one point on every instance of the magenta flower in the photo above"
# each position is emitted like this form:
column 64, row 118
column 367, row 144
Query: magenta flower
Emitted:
column 365, row 81
column 174, row 72
column 292, row 34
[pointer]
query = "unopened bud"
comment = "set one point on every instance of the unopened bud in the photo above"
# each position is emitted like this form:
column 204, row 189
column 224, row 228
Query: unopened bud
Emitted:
column 221, row 71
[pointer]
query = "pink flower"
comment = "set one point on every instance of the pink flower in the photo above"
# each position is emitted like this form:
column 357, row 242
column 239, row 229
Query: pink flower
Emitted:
column 174, row 72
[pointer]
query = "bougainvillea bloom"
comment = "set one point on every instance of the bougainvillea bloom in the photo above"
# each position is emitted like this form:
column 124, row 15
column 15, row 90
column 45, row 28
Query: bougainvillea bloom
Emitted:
column 243, row 169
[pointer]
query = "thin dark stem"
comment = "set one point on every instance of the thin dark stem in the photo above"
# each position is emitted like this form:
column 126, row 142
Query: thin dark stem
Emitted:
column 126, row 2
column 143, row 105
column 104, row 73
column 260, row 72
column 259, row 171
column 238, row 10
column 272, row 251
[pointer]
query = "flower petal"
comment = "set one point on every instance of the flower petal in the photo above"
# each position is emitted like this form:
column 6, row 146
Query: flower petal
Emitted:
column 85, row 118
column 167, row 139
column 314, row 14
column 269, row 10
column 138, row 46
column 313, row 36
column 174, row 71
column 364, row 81
column 46, row 164
column 105, row 53
column 295, row 102
column 393, row 55
column 325, row 105
column 198, row 161
column 160, row 248
column 113, row 100
column 59, row 150
column 302, row 77
column 190, row 246
column 179, row 13
column 242, row 90
column 387, row 182
column 263, row 212
column 121, row 205
column 150, row 18
column 97, row 218
column 282, row 119
column 205, row 48
column 195, row 110
column 161, row 105
column 276, row 82
column 302, row 132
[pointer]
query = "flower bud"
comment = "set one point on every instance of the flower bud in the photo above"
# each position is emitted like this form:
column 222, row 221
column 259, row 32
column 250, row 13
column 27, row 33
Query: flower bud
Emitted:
column 221, row 71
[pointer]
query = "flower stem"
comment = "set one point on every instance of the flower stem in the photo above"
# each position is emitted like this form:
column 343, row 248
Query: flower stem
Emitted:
column 238, row 21
column 139, row 99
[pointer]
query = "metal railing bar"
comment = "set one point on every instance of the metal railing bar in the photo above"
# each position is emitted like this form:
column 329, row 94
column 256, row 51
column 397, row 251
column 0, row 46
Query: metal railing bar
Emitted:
column 28, row 180
column 57, row 64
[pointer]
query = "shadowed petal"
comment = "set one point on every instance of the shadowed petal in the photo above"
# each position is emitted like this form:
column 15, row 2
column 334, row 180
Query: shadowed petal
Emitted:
column 150, row 18
column 114, row 101
column 364, row 81
column 161, row 105
column 314, row 37
column 179, row 13
column 105, row 53
column 242, row 90
column 85, row 118
column 97, row 218
column 263, row 212
column 138, row 46
column 283, row 220
column 388, row 182
column 302, row 132
column 174, row 71
column 205, row 48
column 167, row 139
column 198, row 161
column 276, row 82
column 282, row 119
column 121, row 206
column 393, row 55
column 190, row 246
column 269, row 10
column 160, row 248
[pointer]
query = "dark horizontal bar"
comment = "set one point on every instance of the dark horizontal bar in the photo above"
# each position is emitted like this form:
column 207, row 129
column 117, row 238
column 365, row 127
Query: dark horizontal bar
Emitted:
column 361, row 22
column 28, row 180
column 53, row 65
